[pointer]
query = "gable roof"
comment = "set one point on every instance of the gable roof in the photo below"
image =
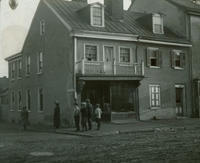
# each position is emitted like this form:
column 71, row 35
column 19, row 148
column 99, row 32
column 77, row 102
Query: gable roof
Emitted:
column 186, row 4
column 68, row 10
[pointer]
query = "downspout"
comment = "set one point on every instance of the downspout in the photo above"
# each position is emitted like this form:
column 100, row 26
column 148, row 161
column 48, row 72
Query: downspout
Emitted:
column 137, row 91
column 74, row 68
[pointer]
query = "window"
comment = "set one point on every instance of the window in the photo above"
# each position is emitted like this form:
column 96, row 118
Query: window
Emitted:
column 154, row 95
column 40, row 62
column 12, row 100
column 97, row 16
column 28, row 64
column 40, row 99
column 91, row 53
column 42, row 27
column 28, row 99
column 154, row 57
column 158, row 24
column 13, row 70
column 177, row 59
column 125, row 55
column 19, row 100
column 19, row 68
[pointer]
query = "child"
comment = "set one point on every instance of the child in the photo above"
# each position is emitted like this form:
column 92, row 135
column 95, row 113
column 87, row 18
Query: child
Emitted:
column 98, row 113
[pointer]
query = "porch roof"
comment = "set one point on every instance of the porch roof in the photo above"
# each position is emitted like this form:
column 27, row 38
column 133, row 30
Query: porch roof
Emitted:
column 109, row 78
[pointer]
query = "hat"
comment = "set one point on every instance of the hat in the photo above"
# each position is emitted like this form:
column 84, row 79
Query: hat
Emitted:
column 87, row 100
column 56, row 102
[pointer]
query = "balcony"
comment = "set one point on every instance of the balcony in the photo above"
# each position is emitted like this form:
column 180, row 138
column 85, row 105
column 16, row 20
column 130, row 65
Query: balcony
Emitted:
column 100, row 68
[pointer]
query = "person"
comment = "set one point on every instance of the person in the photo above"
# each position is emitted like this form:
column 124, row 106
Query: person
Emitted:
column 98, row 113
column 83, row 116
column 77, row 116
column 89, row 112
column 24, row 117
column 56, row 118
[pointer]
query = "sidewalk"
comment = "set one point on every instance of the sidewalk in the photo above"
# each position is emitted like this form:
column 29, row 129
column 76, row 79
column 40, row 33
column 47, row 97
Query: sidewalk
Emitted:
column 134, row 126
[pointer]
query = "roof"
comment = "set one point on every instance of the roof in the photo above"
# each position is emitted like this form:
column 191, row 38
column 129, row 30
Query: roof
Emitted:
column 188, row 5
column 68, row 11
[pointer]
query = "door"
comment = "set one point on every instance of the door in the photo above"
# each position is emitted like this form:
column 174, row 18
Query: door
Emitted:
column 179, row 100
column 108, row 59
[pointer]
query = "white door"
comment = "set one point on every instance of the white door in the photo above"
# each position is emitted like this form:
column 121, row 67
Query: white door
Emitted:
column 108, row 59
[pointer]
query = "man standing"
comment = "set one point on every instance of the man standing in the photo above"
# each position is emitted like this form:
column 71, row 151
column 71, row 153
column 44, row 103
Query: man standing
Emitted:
column 89, row 111
column 24, row 117
column 77, row 116
column 56, row 117
column 98, row 113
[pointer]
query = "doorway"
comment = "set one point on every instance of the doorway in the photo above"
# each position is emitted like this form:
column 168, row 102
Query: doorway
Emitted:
column 179, row 100
column 108, row 58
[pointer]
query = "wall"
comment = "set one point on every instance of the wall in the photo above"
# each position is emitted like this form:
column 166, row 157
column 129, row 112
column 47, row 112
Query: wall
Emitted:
column 57, row 76
column 174, row 17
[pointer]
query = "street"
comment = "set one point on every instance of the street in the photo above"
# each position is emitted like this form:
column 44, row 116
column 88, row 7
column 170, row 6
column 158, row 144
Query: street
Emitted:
column 164, row 146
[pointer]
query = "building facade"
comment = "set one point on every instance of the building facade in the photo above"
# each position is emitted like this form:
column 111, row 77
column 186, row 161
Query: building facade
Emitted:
column 130, row 63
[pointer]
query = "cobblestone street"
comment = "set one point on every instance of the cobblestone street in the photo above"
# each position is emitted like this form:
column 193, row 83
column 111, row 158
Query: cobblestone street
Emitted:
column 158, row 146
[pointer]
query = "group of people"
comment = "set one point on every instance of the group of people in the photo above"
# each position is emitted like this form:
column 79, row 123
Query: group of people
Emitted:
column 85, row 115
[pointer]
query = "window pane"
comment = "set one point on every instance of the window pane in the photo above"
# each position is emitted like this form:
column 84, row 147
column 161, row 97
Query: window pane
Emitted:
column 91, row 53
column 124, row 55
column 97, row 16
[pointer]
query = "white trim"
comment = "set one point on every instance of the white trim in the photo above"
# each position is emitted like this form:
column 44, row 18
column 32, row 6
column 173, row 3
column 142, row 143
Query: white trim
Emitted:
column 75, row 65
column 179, row 86
column 156, row 67
column 164, row 43
column 155, row 85
column 91, row 15
column 107, row 36
column 110, row 46
column 58, row 16
column 90, row 44
column 125, row 63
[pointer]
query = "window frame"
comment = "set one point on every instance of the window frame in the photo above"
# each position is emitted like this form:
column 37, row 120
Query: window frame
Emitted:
column 28, row 65
column 92, row 15
column 182, row 55
column 97, row 49
column 13, row 70
column 39, row 102
column 150, row 96
column 19, row 92
column 40, row 62
column 28, row 92
column 159, row 58
column 19, row 68
column 161, row 24
column 12, row 100
column 125, row 47
column 42, row 27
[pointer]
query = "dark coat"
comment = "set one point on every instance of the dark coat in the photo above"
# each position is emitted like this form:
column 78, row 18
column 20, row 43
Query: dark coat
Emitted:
column 24, row 117
column 56, row 117
column 89, row 109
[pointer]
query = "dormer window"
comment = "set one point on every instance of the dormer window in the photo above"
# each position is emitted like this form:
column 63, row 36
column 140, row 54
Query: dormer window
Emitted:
column 97, row 15
column 158, row 24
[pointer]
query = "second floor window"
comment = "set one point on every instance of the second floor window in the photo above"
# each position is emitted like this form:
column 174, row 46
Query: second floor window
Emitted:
column 20, row 68
column 158, row 24
column 91, row 52
column 28, row 65
column 125, row 55
column 178, row 59
column 40, row 62
column 97, row 16
column 13, row 70
column 154, row 57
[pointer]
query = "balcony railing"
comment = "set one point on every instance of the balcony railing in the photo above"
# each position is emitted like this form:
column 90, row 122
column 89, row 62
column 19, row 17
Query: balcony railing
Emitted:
column 100, row 68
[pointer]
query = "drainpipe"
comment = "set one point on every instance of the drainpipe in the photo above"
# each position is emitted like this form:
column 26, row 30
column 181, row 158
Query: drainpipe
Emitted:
column 74, row 68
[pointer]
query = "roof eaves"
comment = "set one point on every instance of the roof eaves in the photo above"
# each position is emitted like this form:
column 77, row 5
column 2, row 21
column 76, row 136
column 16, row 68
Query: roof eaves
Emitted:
column 14, row 56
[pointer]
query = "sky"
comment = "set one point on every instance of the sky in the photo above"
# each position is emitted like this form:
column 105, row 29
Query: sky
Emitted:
column 14, row 26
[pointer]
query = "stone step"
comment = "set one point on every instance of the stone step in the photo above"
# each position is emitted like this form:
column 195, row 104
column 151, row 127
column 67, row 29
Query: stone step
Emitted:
column 122, row 115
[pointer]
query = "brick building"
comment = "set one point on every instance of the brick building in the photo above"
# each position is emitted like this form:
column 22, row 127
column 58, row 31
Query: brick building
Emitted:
column 187, row 23
column 129, row 62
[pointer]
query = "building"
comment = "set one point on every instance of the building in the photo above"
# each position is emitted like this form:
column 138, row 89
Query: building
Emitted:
column 4, row 109
column 123, row 60
column 186, row 22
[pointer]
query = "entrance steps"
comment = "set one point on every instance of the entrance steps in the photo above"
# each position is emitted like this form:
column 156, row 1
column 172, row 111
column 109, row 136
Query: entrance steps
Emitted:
column 123, row 117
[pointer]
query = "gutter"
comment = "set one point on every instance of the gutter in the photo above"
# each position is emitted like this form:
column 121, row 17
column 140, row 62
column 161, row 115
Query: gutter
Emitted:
column 13, row 56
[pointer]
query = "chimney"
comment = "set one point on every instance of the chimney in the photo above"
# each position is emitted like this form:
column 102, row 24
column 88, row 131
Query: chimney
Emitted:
column 115, row 9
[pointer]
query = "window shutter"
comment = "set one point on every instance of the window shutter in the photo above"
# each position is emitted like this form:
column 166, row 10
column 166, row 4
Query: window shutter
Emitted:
column 172, row 58
column 182, row 60
column 160, row 58
column 148, row 54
